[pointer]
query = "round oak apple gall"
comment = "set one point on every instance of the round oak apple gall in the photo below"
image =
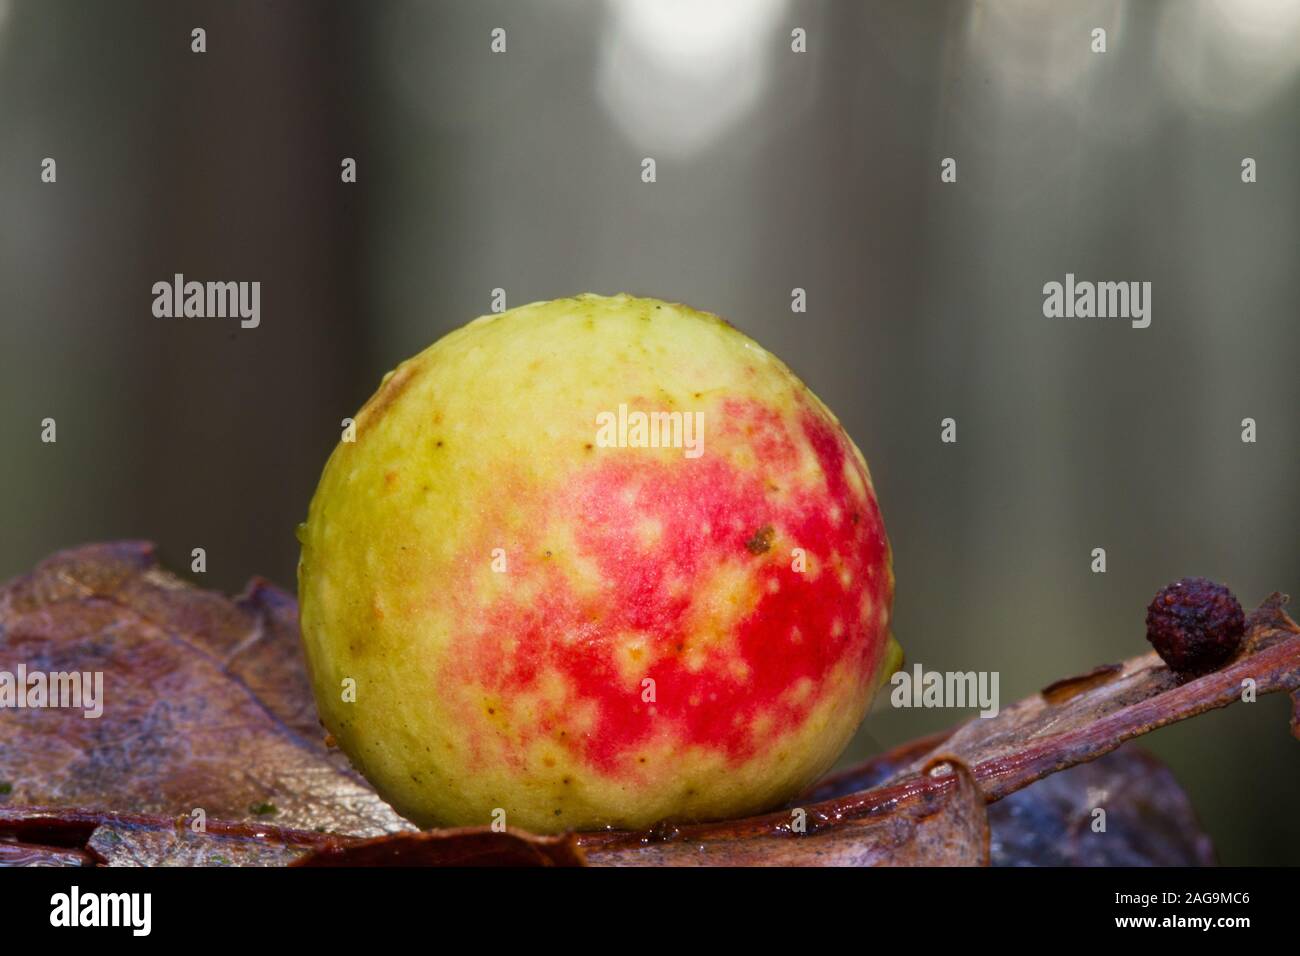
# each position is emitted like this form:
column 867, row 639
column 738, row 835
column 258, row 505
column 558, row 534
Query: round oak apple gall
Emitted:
column 1195, row 625
column 549, row 610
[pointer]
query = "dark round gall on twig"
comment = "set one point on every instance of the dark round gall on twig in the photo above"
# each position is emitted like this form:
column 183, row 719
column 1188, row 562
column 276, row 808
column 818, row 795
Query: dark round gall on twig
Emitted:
column 1195, row 625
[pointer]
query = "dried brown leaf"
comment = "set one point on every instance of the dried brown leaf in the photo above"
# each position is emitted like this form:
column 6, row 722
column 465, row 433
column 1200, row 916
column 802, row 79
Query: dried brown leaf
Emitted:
column 27, row 854
column 932, row 824
column 465, row 846
column 181, row 727
column 119, row 843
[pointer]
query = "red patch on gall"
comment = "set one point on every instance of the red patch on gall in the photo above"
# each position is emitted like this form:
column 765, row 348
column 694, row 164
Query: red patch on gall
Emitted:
column 770, row 665
column 760, row 427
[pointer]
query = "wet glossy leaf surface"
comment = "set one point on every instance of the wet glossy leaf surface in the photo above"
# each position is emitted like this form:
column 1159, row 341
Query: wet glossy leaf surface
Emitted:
column 466, row 846
column 928, row 826
column 181, row 729
column 143, row 844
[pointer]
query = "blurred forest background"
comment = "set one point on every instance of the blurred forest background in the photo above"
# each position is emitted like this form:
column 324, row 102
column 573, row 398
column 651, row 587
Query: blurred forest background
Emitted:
column 775, row 170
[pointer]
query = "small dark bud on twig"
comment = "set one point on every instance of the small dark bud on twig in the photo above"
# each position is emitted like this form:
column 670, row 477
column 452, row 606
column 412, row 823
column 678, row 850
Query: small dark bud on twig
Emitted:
column 1195, row 625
